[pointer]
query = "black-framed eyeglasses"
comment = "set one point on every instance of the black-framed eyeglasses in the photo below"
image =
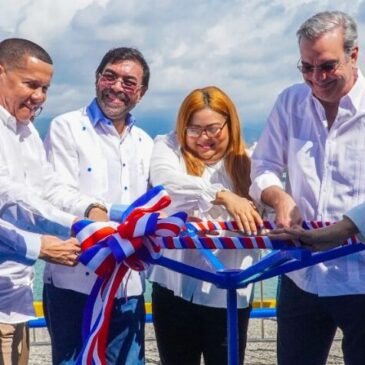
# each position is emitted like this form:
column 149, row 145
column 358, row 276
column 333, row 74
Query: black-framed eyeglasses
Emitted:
column 326, row 67
column 211, row 130
column 128, row 84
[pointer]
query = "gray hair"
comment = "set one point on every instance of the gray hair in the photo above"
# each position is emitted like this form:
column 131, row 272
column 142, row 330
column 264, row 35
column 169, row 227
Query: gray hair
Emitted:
column 325, row 22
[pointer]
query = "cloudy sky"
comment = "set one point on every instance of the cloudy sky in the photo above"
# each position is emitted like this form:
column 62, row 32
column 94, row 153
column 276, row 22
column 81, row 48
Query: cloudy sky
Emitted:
column 246, row 47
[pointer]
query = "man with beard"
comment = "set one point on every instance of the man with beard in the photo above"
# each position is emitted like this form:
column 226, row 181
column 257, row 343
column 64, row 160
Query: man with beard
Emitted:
column 99, row 151
column 315, row 133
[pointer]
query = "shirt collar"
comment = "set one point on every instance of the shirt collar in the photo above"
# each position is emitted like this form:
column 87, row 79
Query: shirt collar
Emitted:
column 356, row 93
column 96, row 115
column 8, row 119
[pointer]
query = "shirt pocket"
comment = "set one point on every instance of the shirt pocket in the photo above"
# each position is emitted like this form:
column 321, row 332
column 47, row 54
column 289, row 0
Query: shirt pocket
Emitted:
column 350, row 172
column 303, row 157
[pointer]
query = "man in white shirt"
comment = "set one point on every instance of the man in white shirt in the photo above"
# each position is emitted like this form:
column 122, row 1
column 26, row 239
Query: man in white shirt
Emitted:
column 99, row 151
column 315, row 133
column 27, row 184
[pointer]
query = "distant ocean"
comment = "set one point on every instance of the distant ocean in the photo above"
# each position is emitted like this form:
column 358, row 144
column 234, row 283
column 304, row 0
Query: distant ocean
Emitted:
column 154, row 127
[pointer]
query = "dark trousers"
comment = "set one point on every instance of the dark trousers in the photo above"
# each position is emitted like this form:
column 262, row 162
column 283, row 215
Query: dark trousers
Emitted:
column 64, row 313
column 185, row 331
column 307, row 325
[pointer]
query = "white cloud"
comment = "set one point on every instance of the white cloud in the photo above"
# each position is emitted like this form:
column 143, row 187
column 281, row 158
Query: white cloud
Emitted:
column 246, row 47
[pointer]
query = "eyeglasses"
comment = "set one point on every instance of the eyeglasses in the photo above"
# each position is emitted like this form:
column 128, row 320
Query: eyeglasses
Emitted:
column 38, row 111
column 326, row 67
column 128, row 84
column 211, row 131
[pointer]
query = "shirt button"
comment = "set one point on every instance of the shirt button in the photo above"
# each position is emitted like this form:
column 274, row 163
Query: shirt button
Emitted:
column 87, row 273
column 123, row 164
column 89, row 169
column 84, row 128
column 125, row 188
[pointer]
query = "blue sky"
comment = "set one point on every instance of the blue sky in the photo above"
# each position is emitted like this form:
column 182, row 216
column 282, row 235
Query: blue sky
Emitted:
column 246, row 47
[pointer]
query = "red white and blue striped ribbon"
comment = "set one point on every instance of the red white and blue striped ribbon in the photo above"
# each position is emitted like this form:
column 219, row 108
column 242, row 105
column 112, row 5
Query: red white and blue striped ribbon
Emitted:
column 110, row 248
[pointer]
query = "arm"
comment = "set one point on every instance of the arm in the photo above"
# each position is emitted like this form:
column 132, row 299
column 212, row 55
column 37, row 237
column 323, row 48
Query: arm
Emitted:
column 24, row 207
column 286, row 210
column 25, row 247
column 332, row 236
column 61, row 150
column 318, row 239
column 195, row 193
column 268, row 164
column 188, row 192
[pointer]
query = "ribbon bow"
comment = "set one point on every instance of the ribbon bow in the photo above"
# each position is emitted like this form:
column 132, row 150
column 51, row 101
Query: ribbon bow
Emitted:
column 109, row 249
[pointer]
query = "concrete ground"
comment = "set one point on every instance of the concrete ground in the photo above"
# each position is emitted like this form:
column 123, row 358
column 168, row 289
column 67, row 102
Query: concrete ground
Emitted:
column 260, row 351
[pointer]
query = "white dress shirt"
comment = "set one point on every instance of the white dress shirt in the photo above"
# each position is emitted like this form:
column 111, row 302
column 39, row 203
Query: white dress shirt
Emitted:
column 18, row 245
column 26, row 184
column 325, row 173
column 193, row 195
column 94, row 159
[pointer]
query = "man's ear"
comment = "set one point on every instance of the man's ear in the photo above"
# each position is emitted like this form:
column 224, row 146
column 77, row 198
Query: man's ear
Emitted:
column 2, row 69
column 141, row 94
column 354, row 55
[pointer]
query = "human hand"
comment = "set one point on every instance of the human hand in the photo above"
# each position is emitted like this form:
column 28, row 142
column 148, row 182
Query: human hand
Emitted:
column 286, row 210
column 242, row 210
column 287, row 213
column 97, row 214
column 314, row 240
column 61, row 252
column 162, row 214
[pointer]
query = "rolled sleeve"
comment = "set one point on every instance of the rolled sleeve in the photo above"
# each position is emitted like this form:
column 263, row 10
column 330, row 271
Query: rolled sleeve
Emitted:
column 357, row 216
column 115, row 211
column 262, row 182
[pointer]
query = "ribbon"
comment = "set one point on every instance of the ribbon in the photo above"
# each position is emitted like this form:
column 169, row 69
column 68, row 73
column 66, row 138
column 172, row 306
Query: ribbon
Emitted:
column 109, row 249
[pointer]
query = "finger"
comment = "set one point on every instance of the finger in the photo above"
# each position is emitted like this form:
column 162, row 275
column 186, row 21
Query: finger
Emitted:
column 252, row 224
column 279, row 236
column 240, row 226
column 245, row 224
column 263, row 231
column 257, row 218
column 253, row 220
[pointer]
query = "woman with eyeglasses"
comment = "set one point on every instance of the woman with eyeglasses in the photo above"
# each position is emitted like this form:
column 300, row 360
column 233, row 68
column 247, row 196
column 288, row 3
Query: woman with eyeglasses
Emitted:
column 205, row 168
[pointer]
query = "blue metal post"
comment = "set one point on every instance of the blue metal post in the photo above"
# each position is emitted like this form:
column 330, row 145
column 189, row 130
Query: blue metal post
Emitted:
column 232, row 327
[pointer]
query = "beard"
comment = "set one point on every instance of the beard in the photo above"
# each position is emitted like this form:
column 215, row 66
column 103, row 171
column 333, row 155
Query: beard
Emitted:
column 114, row 105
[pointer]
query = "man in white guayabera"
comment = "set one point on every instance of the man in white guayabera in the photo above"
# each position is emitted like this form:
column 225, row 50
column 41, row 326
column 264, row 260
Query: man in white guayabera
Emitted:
column 316, row 133
column 99, row 151
column 26, row 184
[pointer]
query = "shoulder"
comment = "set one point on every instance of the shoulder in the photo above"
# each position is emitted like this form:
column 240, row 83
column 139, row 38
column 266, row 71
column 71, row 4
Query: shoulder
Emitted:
column 167, row 143
column 297, row 93
column 71, row 119
column 169, row 140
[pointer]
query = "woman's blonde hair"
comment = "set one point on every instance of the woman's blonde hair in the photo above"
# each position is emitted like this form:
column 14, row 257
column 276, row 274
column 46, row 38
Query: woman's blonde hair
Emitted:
column 236, row 161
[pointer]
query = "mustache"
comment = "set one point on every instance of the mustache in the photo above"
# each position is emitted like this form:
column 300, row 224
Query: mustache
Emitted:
column 122, row 96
